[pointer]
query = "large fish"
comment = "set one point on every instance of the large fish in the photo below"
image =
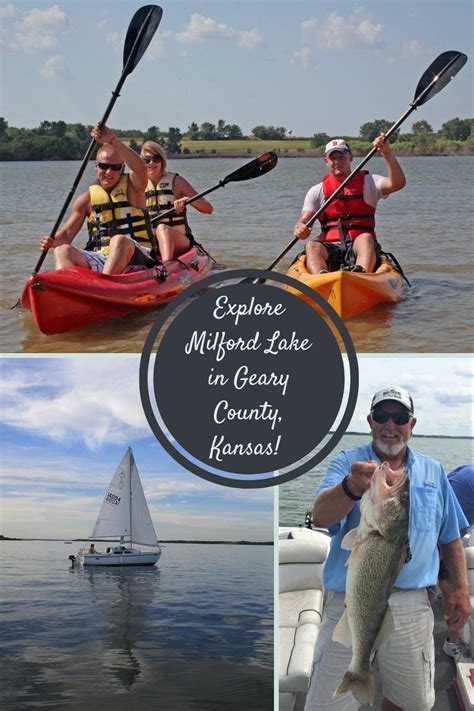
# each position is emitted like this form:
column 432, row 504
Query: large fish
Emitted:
column 379, row 548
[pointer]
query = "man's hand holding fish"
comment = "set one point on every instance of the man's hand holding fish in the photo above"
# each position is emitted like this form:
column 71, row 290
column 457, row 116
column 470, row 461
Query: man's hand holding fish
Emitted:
column 389, row 510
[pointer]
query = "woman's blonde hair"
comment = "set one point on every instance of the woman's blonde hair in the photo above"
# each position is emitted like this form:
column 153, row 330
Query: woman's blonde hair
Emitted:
column 154, row 148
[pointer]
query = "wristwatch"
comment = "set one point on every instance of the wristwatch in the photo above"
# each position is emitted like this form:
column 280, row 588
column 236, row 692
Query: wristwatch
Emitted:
column 347, row 491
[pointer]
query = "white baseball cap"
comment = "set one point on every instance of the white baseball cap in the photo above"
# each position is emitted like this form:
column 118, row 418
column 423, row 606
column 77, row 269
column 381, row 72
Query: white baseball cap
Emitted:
column 395, row 394
column 338, row 144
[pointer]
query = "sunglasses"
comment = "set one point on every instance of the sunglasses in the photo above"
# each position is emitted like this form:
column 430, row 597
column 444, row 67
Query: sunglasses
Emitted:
column 110, row 166
column 398, row 418
column 155, row 158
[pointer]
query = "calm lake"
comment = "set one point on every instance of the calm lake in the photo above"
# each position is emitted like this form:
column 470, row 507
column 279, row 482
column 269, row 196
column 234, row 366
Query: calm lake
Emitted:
column 194, row 633
column 428, row 226
column 296, row 497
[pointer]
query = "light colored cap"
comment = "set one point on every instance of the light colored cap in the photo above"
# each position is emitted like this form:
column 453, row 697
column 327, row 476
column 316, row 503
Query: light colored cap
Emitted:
column 338, row 144
column 395, row 394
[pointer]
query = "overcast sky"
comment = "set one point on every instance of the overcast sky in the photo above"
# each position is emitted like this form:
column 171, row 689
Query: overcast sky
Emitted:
column 308, row 66
column 66, row 423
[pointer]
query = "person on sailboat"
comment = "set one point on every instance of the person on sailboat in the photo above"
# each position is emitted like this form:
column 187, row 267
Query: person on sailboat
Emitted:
column 92, row 550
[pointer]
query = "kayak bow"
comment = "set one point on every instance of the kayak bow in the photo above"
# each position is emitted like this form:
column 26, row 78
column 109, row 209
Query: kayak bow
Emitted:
column 350, row 293
column 74, row 297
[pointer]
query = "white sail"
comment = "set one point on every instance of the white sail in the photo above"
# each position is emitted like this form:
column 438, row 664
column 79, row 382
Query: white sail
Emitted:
column 143, row 532
column 124, row 511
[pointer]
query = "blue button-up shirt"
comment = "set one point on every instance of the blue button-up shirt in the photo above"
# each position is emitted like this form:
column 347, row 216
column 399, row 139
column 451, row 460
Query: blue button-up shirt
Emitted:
column 434, row 517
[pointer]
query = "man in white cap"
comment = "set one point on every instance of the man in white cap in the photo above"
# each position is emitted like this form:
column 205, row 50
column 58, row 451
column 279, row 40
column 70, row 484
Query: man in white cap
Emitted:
column 348, row 223
column 405, row 660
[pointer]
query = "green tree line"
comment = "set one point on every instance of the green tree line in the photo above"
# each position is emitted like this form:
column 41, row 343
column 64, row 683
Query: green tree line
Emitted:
column 58, row 140
column 421, row 135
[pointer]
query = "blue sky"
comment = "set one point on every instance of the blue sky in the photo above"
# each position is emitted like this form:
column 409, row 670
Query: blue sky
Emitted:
column 308, row 66
column 66, row 422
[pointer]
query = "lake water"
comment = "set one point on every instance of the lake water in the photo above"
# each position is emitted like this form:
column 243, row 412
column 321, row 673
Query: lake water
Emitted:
column 194, row 633
column 296, row 497
column 428, row 226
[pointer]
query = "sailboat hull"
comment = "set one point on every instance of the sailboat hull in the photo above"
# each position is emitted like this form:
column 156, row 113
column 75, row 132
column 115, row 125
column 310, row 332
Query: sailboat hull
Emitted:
column 114, row 559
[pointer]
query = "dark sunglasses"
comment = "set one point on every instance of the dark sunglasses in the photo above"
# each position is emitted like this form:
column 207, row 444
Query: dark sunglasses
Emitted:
column 155, row 158
column 398, row 418
column 110, row 166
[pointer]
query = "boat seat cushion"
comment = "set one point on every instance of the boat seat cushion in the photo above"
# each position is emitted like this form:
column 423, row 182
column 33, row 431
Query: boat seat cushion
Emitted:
column 301, row 564
column 286, row 702
column 300, row 619
column 467, row 632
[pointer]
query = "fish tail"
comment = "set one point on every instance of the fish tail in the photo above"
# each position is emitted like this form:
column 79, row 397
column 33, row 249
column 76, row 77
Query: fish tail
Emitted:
column 361, row 685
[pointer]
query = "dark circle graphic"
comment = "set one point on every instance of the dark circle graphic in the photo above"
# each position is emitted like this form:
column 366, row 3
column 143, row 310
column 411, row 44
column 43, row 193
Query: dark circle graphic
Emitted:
column 249, row 356
column 218, row 401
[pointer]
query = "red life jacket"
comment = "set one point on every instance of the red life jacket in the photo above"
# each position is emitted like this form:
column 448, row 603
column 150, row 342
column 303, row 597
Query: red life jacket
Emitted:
column 355, row 214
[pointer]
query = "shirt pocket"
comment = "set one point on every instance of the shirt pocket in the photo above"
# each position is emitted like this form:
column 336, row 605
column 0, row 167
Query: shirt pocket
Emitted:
column 423, row 508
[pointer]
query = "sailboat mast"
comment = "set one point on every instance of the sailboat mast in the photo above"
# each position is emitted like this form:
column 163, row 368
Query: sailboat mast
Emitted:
column 130, row 494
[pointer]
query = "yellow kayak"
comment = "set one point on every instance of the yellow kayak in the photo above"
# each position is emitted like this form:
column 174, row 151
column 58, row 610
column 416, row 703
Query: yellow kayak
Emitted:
column 350, row 293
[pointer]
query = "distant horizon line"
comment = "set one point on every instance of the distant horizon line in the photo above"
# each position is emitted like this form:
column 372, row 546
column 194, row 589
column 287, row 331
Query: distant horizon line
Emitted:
column 98, row 540
column 437, row 436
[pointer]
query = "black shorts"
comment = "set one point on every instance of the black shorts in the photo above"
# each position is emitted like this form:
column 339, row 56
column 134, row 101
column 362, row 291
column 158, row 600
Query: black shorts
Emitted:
column 338, row 253
column 140, row 259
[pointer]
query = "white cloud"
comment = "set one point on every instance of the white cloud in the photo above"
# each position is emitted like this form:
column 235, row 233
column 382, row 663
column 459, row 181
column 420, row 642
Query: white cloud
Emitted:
column 201, row 29
column 302, row 57
column 250, row 39
column 413, row 48
column 40, row 30
column 441, row 389
column 7, row 10
column 156, row 48
column 54, row 67
column 6, row 41
column 109, row 409
column 338, row 33
column 114, row 41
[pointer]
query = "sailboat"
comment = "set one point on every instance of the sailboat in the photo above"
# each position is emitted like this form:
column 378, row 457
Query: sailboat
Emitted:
column 123, row 516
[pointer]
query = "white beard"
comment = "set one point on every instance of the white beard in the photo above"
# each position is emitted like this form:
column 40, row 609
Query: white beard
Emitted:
column 390, row 450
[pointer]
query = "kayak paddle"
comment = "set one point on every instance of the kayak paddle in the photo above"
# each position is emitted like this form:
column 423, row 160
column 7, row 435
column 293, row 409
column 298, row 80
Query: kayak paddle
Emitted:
column 435, row 78
column 257, row 167
column 139, row 35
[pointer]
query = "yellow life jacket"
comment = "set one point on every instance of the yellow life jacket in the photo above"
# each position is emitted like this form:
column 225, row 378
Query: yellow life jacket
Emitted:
column 161, row 197
column 113, row 215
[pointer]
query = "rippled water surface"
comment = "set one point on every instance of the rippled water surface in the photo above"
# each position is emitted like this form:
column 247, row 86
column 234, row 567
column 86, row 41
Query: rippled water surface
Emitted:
column 428, row 226
column 193, row 634
column 296, row 497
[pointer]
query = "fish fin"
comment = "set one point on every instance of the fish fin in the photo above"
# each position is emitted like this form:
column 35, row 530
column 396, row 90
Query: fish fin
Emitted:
column 342, row 631
column 361, row 686
column 385, row 630
column 349, row 540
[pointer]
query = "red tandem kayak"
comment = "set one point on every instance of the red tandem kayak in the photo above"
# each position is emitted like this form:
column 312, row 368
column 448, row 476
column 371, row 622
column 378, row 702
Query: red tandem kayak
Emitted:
column 74, row 297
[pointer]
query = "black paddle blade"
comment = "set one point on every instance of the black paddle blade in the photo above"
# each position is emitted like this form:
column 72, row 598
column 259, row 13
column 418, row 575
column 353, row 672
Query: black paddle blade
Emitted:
column 439, row 73
column 139, row 35
column 261, row 165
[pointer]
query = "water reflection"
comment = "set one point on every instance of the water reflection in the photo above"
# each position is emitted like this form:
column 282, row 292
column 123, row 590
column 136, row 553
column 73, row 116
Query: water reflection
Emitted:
column 122, row 597
column 412, row 224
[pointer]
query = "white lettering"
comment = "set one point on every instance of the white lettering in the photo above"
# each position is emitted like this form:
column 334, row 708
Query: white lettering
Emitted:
column 242, row 378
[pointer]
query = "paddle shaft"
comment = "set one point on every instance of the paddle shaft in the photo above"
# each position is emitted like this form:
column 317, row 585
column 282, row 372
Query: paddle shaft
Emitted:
column 413, row 106
column 115, row 94
column 246, row 172
column 172, row 212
